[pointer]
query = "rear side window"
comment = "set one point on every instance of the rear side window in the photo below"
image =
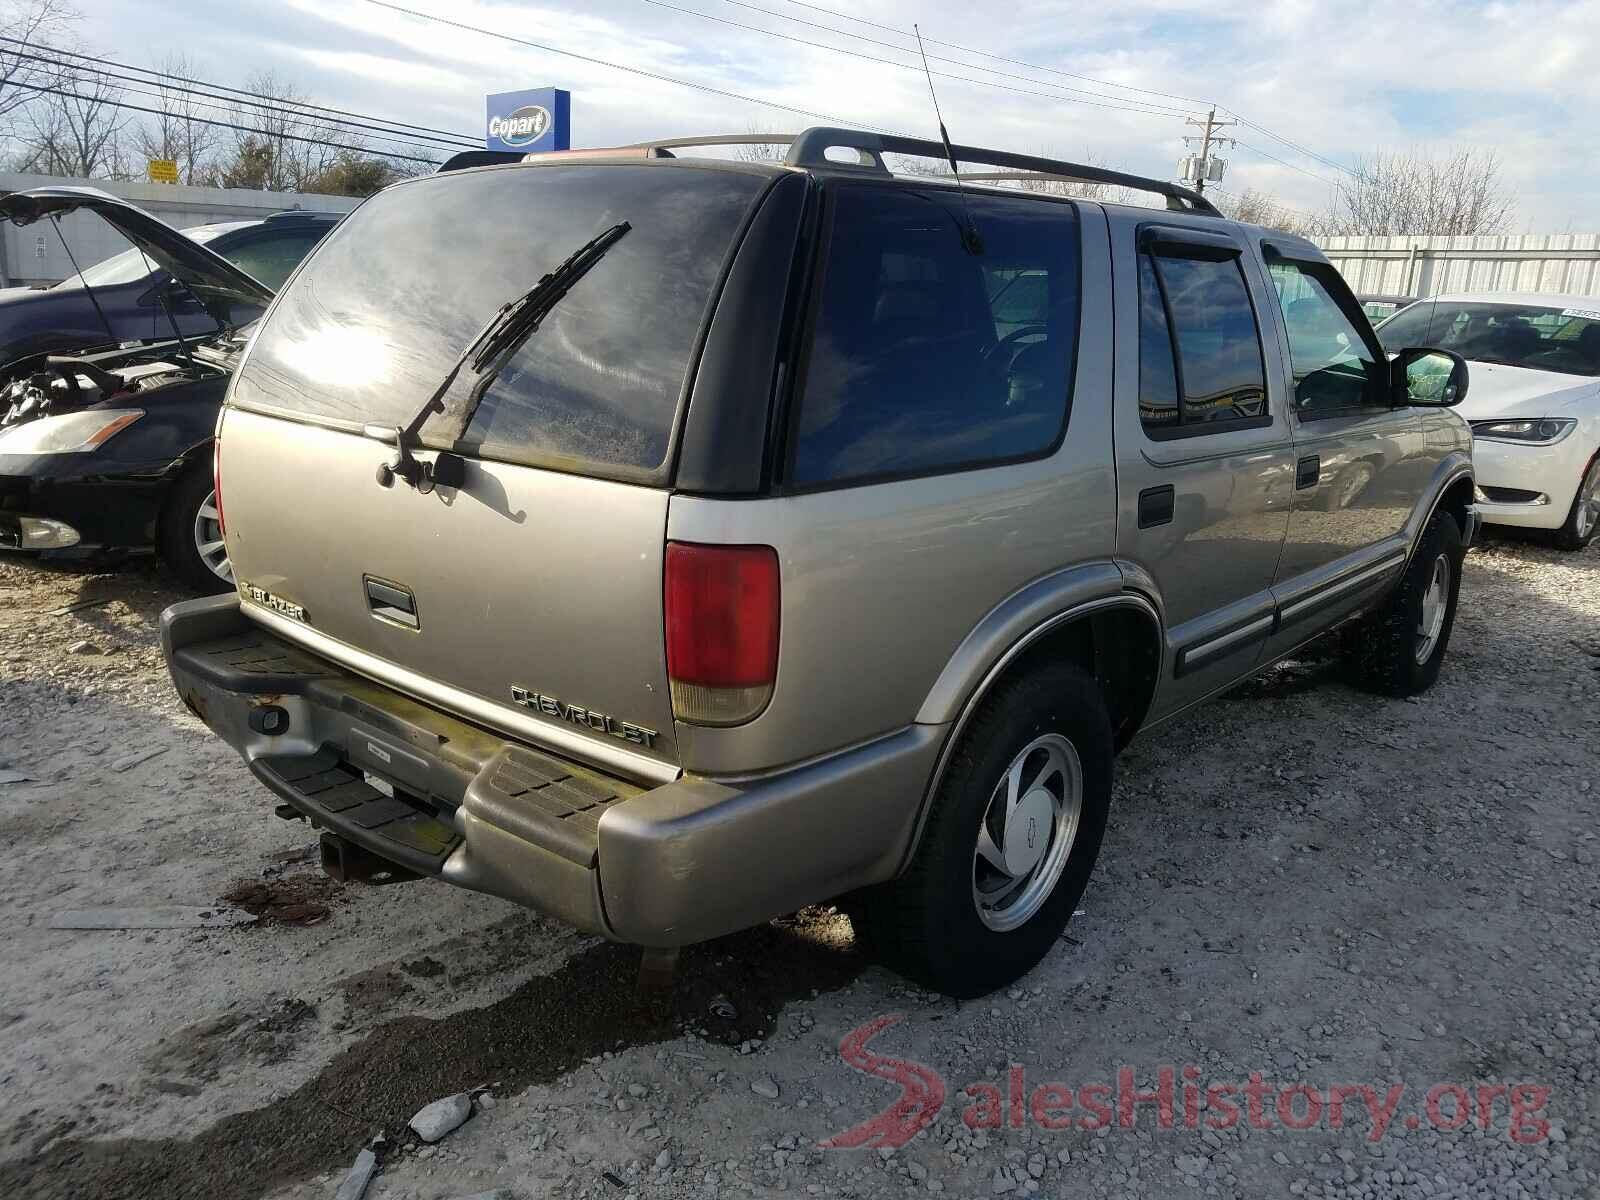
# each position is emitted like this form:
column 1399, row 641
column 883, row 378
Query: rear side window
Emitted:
column 384, row 306
column 1200, row 363
column 925, row 357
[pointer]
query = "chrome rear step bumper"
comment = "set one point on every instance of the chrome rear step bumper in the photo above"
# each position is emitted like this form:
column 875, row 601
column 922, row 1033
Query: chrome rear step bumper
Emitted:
column 664, row 866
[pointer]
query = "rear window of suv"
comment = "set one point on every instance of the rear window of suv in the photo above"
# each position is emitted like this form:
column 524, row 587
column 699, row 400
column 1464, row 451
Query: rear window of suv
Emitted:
column 372, row 324
column 926, row 357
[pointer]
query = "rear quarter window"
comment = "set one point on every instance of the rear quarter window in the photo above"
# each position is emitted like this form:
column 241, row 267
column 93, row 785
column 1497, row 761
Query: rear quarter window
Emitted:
column 925, row 357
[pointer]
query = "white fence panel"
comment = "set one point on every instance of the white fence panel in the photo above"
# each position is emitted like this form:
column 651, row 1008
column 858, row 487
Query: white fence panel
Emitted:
column 1561, row 263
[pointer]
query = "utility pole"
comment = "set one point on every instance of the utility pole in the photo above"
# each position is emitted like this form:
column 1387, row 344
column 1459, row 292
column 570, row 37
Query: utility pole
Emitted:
column 1202, row 168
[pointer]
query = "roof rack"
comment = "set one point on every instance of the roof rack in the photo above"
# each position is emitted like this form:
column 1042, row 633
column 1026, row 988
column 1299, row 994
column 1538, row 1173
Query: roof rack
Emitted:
column 810, row 149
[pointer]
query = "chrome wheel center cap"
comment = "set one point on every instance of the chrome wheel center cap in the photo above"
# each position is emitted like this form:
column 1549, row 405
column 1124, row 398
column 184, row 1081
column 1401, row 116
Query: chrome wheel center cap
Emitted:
column 1028, row 831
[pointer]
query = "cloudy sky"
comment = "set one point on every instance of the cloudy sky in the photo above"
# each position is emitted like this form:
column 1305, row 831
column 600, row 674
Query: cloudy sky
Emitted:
column 1317, row 82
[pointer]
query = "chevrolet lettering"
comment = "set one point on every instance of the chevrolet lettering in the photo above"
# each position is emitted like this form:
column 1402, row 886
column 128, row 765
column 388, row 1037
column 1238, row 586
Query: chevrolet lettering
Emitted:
column 599, row 722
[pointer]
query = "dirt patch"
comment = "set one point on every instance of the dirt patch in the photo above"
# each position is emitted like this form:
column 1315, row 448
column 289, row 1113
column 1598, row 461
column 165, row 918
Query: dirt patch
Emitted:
column 548, row 1026
column 206, row 1048
column 374, row 992
column 288, row 900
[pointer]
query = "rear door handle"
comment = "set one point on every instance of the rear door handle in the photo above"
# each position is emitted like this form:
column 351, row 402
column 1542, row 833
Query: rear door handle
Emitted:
column 391, row 602
column 1155, row 506
column 1307, row 471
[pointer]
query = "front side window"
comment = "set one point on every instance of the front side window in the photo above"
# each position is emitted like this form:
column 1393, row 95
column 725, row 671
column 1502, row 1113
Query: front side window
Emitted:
column 1200, row 362
column 1537, row 337
column 269, row 258
column 925, row 357
column 1334, row 369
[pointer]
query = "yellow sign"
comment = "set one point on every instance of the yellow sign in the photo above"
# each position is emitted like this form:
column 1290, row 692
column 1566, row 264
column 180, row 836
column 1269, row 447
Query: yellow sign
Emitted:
column 161, row 170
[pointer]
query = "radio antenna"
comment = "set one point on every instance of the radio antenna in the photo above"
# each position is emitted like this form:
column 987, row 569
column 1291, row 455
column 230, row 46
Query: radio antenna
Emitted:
column 969, row 232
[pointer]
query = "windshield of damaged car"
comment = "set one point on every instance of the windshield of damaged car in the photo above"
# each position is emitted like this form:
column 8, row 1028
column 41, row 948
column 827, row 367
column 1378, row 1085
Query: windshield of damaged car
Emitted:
column 382, row 309
column 129, row 266
column 1537, row 337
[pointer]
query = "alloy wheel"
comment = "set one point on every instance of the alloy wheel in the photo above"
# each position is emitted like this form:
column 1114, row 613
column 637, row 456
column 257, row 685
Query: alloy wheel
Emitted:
column 1588, row 501
column 208, row 542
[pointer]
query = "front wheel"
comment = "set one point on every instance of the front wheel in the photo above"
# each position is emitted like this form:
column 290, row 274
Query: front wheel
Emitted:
column 1583, row 521
column 191, row 534
column 1012, row 836
column 1398, row 649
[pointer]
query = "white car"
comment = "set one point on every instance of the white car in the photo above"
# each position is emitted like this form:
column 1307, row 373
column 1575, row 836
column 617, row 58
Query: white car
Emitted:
column 1533, row 402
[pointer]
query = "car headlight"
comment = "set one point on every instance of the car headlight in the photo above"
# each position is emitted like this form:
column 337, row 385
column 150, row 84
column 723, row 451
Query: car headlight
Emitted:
column 1535, row 431
column 68, row 433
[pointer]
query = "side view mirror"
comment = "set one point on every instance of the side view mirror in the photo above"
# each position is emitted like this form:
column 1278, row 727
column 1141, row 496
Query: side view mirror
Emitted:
column 1420, row 375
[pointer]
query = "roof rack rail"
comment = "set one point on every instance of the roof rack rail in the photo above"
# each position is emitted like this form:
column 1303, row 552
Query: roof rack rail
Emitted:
column 810, row 149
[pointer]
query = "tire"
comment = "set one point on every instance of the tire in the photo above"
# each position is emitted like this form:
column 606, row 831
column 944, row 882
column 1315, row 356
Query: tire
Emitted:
column 931, row 924
column 1583, row 521
column 1398, row 649
column 177, row 537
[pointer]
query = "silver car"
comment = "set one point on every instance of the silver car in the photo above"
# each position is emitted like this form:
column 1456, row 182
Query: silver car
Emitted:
column 667, row 543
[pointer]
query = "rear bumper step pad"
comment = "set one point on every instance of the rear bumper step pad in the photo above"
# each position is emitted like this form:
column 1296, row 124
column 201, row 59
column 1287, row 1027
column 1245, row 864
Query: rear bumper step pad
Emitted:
column 338, row 798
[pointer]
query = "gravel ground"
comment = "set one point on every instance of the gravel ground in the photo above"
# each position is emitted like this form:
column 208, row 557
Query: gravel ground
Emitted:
column 1299, row 882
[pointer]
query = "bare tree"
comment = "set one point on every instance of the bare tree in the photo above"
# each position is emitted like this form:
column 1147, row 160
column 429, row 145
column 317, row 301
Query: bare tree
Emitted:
column 180, row 130
column 283, row 143
column 1262, row 208
column 29, row 22
column 76, row 131
column 761, row 152
column 1415, row 193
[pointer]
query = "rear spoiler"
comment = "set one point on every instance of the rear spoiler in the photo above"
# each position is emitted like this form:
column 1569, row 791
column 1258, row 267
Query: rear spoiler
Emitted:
column 478, row 158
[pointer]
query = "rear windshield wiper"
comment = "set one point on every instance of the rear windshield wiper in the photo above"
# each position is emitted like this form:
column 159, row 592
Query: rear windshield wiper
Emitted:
column 489, row 351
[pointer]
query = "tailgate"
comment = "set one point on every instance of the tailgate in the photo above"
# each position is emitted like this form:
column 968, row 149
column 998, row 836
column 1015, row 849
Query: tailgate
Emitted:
column 527, row 599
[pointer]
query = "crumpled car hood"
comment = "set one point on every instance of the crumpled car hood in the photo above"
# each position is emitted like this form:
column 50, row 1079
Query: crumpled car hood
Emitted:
column 230, row 295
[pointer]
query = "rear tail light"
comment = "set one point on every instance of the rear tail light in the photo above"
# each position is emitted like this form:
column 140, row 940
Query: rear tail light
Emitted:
column 722, row 609
column 216, row 482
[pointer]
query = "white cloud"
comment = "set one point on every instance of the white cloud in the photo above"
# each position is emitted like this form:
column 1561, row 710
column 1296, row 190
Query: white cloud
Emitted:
column 1339, row 77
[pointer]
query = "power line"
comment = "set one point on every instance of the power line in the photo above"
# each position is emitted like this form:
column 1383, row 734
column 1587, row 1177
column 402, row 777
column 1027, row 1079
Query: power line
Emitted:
column 904, row 49
column 113, row 99
column 211, row 100
column 1149, row 107
column 287, row 137
column 1016, row 62
column 688, row 83
column 1293, row 145
column 1150, row 112
column 1034, row 67
column 1284, row 162
column 286, row 102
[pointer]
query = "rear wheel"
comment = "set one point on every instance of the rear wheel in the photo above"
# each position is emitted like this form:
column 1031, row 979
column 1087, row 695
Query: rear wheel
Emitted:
column 1398, row 649
column 1011, row 839
column 191, row 534
column 1584, row 520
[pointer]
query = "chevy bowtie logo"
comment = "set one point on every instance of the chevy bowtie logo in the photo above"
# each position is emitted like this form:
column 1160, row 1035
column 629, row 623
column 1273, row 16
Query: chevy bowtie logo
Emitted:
column 921, row 1092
